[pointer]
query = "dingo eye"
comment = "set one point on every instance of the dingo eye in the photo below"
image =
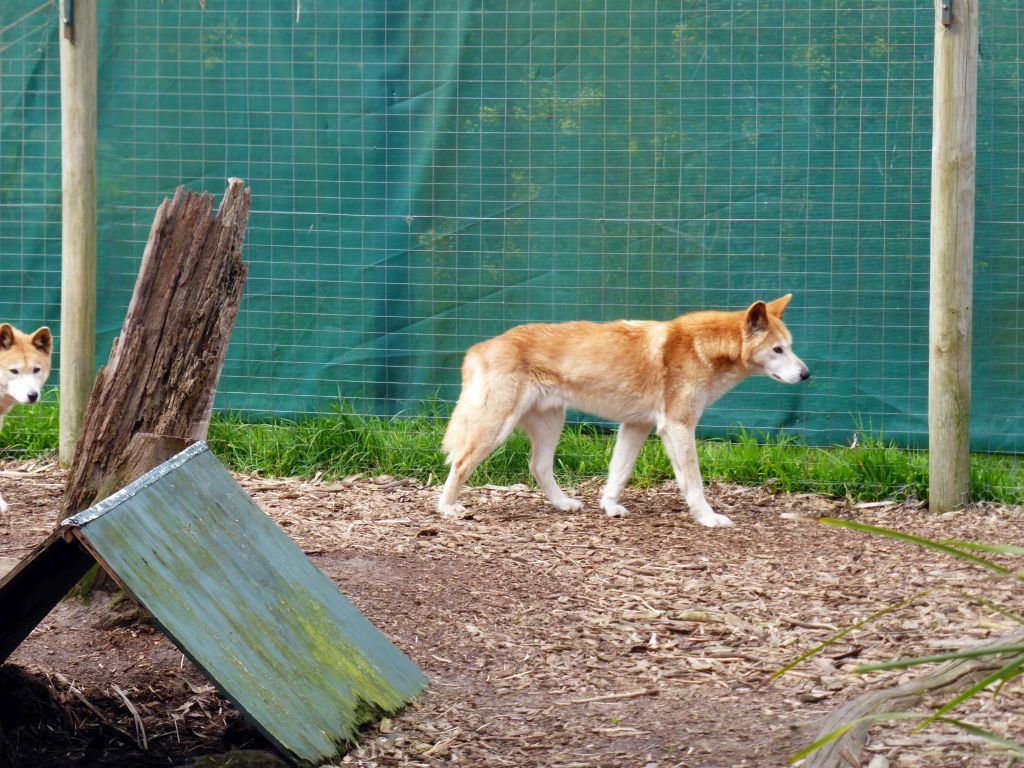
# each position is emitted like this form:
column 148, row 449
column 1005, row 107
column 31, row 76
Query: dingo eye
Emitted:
column 14, row 371
column 777, row 350
column 36, row 370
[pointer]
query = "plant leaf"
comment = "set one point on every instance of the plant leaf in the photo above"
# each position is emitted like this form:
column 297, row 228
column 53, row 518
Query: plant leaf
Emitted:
column 841, row 730
column 991, row 606
column 848, row 630
column 998, row 549
column 929, row 543
column 1011, row 746
column 972, row 653
column 1004, row 673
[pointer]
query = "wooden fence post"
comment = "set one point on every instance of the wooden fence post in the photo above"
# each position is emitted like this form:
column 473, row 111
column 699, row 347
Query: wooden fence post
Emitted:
column 78, row 218
column 952, row 244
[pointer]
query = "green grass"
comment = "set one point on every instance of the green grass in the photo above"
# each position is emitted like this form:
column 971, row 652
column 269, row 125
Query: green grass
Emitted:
column 31, row 431
column 342, row 444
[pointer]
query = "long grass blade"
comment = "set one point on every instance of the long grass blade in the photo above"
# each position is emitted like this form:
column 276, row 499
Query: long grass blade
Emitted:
column 917, row 661
column 818, row 648
column 1010, row 746
column 928, row 543
column 996, row 549
column 828, row 738
column 1002, row 674
column 992, row 606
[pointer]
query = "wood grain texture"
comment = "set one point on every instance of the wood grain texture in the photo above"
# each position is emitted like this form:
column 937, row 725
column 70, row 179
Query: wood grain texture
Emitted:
column 952, row 248
column 240, row 599
column 78, row 225
column 164, row 367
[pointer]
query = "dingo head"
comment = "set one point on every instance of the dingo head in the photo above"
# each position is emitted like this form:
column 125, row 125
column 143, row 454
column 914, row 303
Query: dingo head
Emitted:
column 24, row 362
column 767, row 343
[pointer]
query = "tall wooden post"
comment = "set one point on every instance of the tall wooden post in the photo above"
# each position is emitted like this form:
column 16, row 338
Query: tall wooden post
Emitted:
column 952, row 244
column 78, row 217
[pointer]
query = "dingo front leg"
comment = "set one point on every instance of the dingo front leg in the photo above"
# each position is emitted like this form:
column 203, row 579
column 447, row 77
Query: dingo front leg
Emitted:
column 446, row 503
column 681, row 446
column 628, row 444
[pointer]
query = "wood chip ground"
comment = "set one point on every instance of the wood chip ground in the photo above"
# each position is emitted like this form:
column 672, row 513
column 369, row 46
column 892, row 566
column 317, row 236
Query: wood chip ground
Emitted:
column 550, row 639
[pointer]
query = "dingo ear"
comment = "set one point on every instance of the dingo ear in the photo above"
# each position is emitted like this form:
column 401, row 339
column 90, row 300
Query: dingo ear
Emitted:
column 43, row 340
column 778, row 306
column 757, row 317
column 6, row 336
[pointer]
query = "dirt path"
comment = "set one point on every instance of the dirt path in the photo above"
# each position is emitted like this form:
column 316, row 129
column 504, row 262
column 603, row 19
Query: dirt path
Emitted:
column 551, row 639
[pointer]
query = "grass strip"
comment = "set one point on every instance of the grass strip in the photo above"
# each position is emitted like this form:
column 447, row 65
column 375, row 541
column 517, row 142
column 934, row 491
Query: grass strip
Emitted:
column 343, row 443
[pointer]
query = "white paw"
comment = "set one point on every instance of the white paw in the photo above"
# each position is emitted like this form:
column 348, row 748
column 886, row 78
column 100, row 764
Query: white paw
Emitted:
column 613, row 509
column 567, row 504
column 713, row 520
column 3, row 505
column 705, row 515
column 452, row 511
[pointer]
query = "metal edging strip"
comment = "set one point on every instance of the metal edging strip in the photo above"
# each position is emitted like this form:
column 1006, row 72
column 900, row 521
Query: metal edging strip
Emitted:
column 134, row 487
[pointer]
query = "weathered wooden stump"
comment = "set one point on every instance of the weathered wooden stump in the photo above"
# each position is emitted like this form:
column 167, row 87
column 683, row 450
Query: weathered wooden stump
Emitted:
column 163, row 370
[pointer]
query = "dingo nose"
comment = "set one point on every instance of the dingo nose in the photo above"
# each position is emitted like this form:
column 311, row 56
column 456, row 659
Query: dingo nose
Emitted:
column 33, row 396
column 805, row 375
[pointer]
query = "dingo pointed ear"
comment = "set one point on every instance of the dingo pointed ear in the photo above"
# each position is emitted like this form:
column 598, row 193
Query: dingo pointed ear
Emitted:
column 43, row 340
column 778, row 306
column 757, row 317
column 6, row 336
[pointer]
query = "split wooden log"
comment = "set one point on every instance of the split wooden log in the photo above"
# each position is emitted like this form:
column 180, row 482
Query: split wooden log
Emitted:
column 845, row 752
column 163, row 370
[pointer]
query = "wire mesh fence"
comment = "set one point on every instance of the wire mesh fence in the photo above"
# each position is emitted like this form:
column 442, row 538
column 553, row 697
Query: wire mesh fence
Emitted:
column 426, row 177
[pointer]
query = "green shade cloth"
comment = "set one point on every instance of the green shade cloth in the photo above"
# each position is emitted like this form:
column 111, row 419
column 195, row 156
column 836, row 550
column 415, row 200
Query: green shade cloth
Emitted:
column 426, row 175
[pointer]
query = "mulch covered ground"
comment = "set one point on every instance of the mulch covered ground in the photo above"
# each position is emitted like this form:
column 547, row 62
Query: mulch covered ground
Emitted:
column 550, row 639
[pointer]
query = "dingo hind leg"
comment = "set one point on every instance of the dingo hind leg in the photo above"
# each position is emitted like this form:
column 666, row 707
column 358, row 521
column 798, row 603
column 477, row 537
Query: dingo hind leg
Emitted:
column 544, row 427
column 480, row 423
column 468, row 442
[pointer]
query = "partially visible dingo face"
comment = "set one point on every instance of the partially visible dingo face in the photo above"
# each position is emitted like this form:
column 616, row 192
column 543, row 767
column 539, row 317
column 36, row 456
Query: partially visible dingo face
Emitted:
column 24, row 368
column 768, row 344
column 24, row 365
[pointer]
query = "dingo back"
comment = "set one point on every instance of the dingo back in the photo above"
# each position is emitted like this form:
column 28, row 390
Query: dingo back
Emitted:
column 644, row 374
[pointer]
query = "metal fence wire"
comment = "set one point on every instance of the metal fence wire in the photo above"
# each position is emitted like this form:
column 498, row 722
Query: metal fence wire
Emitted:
column 424, row 177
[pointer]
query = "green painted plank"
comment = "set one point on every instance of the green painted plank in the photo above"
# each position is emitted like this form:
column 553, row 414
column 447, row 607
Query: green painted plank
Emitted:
column 238, row 597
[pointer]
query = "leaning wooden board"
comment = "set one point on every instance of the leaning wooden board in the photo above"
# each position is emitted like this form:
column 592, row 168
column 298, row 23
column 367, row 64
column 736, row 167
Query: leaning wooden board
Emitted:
column 240, row 599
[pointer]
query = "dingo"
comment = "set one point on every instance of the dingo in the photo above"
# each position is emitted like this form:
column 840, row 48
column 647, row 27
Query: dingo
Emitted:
column 24, row 368
column 643, row 374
